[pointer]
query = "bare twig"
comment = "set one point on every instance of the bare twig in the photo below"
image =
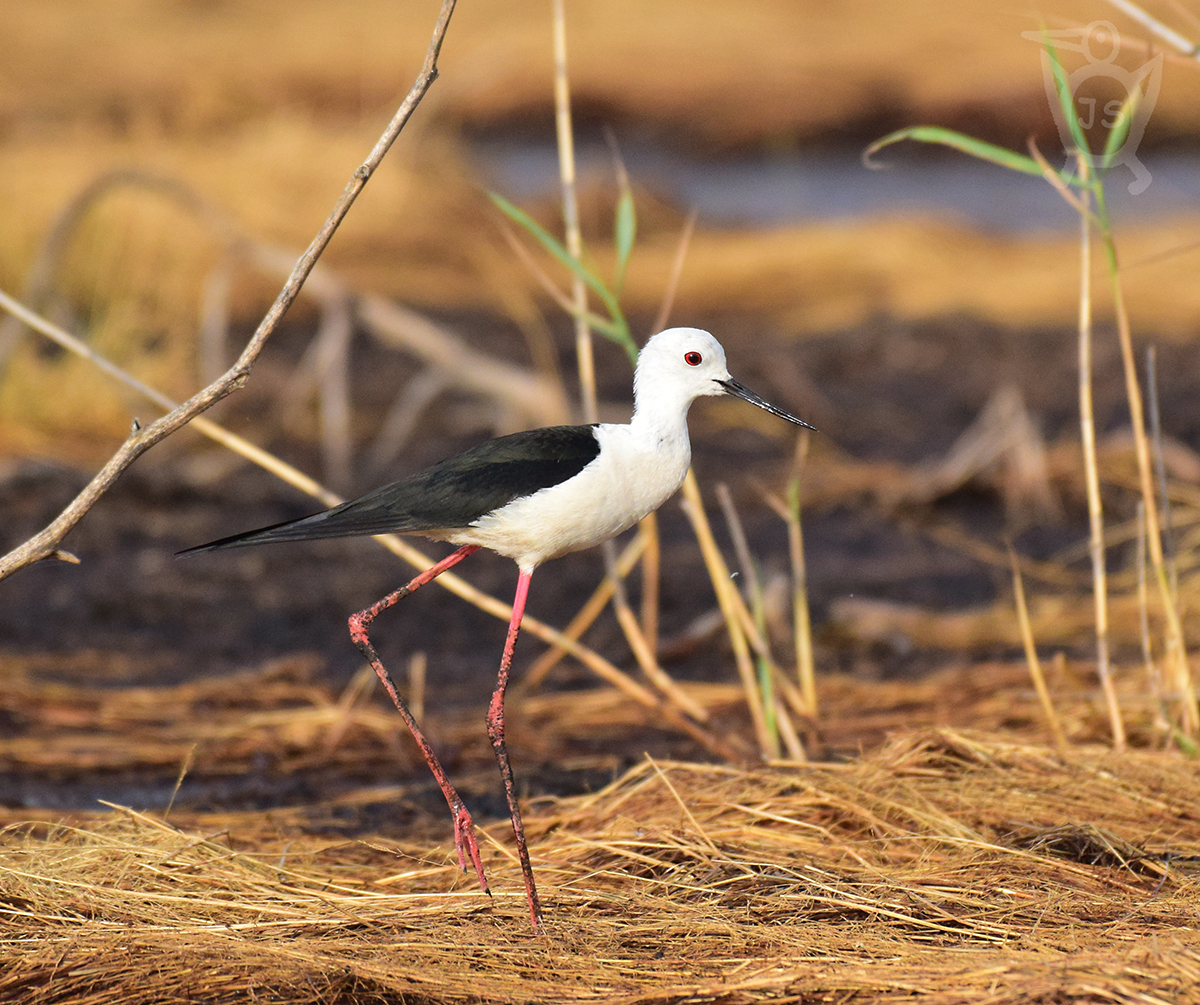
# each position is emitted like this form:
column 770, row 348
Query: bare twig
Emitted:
column 681, row 250
column 566, row 170
column 1031, row 656
column 1168, row 35
column 753, row 595
column 1153, row 676
column 651, row 565
column 45, row 543
column 1160, row 470
column 729, row 600
column 1177, row 658
column 806, row 666
column 648, row 528
column 1087, row 422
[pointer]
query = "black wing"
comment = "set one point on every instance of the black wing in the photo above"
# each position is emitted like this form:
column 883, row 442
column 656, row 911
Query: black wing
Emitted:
column 451, row 494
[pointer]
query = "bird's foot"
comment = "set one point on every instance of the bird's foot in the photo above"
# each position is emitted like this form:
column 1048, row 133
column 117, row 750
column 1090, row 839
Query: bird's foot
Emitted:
column 465, row 843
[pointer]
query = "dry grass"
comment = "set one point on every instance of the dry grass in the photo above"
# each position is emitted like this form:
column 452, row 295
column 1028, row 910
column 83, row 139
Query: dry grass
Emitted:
column 285, row 715
column 718, row 69
column 944, row 868
column 288, row 98
column 940, row 866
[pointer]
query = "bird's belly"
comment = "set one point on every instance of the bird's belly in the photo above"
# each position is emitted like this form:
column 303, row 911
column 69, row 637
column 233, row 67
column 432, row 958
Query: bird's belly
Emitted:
column 598, row 503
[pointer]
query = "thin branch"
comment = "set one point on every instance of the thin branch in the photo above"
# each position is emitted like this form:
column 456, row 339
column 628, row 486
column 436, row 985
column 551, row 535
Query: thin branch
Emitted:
column 728, row 600
column 574, row 242
column 681, row 250
column 1087, row 423
column 1031, row 656
column 1168, row 35
column 44, row 544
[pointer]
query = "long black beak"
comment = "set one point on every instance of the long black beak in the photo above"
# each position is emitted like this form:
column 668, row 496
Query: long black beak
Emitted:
column 733, row 387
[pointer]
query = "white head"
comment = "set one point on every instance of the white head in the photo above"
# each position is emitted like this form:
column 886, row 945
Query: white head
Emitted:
column 679, row 365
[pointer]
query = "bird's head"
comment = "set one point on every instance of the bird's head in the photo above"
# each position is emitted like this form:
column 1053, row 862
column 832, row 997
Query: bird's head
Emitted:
column 682, row 364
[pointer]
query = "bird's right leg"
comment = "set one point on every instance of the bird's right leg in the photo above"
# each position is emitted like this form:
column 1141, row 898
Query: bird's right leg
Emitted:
column 464, row 827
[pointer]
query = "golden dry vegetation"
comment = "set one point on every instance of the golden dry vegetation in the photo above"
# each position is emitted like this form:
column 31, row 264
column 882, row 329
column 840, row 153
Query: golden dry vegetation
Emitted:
column 936, row 848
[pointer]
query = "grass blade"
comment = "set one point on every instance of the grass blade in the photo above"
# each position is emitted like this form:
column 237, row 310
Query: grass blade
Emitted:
column 1066, row 100
column 624, row 233
column 617, row 329
column 958, row 141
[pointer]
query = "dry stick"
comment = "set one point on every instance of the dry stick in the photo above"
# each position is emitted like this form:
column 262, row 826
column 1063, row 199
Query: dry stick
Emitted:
column 1153, row 680
column 775, row 709
column 787, row 733
column 1172, row 38
column 642, row 651
column 535, row 269
column 1091, row 469
column 1176, row 643
column 1031, row 656
column 648, row 528
column 787, row 688
column 806, row 667
column 566, row 171
column 651, row 572
column 646, row 659
column 750, row 575
column 681, row 250
column 803, row 698
column 728, row 599
column 45, row 543
column 1160, row 471
column 459, row 587
column 1087, row 422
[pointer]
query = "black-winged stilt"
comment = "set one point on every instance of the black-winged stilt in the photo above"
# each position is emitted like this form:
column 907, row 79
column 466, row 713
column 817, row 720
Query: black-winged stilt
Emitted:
column 531, row 496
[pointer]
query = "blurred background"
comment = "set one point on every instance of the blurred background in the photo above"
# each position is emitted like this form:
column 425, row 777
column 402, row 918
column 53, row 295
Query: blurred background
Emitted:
column 161, row 165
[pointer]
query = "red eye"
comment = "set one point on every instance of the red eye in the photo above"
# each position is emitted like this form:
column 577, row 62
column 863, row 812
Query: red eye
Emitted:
column 693, row 358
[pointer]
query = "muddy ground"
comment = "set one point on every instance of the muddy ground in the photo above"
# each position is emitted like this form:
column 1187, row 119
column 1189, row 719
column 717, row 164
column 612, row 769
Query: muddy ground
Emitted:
column 131, row 614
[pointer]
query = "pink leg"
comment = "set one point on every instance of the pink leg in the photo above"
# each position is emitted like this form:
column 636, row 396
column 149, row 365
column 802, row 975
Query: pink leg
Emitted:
column 495, row 722
column 464, row 827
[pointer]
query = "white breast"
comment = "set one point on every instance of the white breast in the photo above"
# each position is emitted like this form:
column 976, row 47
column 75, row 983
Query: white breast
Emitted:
column 633, row 475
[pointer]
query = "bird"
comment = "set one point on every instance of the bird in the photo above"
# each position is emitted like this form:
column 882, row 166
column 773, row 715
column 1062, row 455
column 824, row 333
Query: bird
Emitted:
column 530, row 496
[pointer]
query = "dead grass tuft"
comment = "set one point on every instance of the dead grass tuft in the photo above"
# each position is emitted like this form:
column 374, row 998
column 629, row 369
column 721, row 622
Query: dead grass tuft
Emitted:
column 946, row 867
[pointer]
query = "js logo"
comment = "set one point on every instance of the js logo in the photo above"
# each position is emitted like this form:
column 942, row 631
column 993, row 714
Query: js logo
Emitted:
column 1136, row 92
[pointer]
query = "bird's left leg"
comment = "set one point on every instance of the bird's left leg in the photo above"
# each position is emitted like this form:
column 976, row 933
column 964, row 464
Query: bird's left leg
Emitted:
column 495, row 725
column 464, row 827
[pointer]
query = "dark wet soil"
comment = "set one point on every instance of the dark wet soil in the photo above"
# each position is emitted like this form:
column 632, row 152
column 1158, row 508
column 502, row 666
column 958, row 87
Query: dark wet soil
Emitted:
column 887, row 391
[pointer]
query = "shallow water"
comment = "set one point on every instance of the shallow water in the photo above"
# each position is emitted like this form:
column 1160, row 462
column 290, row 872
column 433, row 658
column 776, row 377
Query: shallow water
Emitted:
column 813, row 186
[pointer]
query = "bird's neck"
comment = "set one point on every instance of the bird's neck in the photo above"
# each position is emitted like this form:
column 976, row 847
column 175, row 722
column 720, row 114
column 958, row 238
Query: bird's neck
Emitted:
column 658, row 418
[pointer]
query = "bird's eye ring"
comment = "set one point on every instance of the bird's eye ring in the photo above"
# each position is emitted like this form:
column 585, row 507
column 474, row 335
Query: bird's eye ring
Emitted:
column 692, row 358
